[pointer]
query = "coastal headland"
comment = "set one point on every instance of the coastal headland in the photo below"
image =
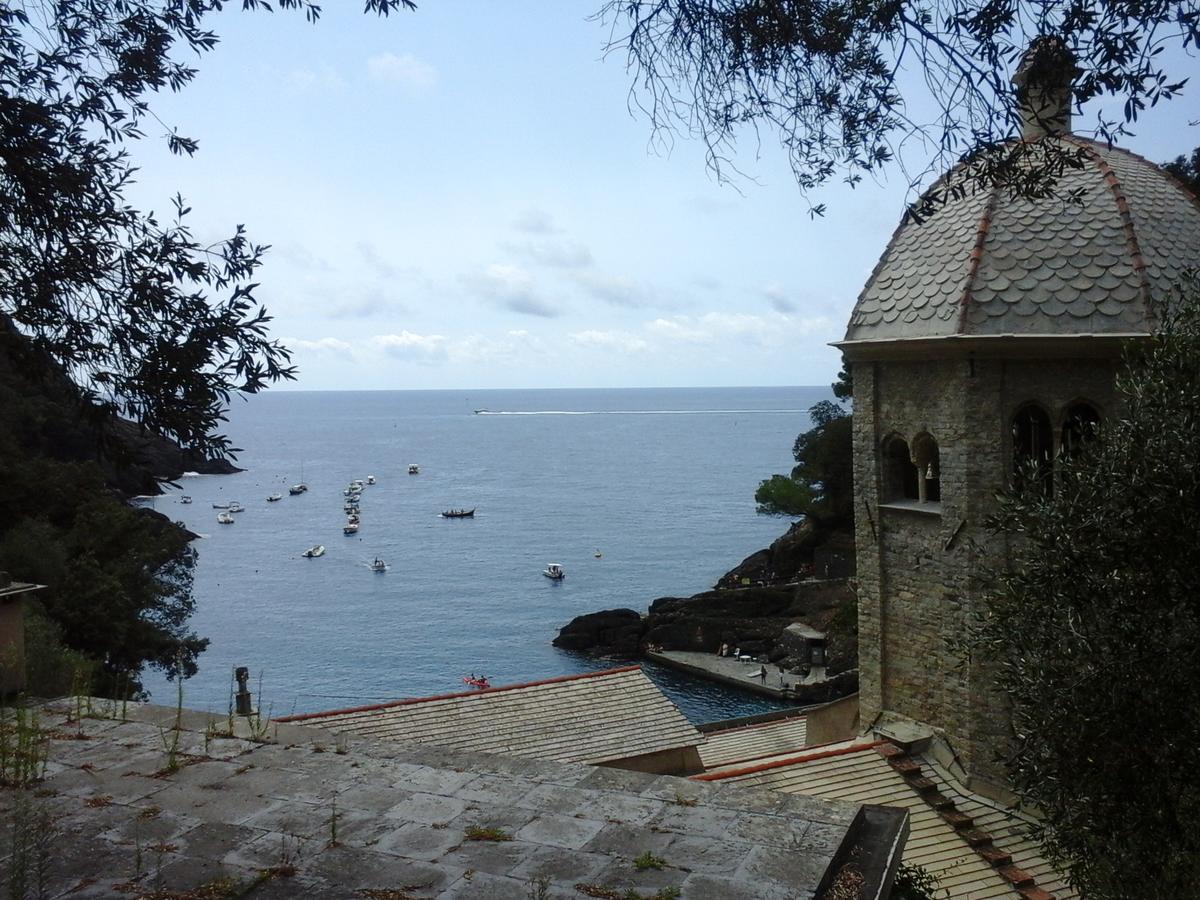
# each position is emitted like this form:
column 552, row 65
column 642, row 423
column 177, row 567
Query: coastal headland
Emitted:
column 765, row 613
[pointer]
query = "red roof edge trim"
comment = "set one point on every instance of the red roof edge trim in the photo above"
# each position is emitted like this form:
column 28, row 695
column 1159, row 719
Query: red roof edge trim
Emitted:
column 303, row 717
column 790, row 761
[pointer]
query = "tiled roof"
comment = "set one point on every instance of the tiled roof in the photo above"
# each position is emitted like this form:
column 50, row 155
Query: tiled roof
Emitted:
column 988, row 263
column 860, row 771
column 593, row 718
column 406, row 819
column 751, row 742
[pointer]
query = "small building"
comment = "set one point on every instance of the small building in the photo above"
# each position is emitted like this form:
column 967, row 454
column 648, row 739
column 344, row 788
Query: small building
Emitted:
column 12, row 633
column 616, row 717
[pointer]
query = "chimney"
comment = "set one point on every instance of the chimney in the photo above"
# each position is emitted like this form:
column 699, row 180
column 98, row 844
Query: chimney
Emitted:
column 1043, row 87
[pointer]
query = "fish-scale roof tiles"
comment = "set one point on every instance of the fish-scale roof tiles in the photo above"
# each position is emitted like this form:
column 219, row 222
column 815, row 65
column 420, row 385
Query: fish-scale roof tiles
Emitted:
column 593, row 718
column 1088, row 261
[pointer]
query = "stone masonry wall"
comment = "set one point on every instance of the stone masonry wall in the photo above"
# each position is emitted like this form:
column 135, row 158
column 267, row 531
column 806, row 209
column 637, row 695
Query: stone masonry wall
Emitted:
column 922, row 570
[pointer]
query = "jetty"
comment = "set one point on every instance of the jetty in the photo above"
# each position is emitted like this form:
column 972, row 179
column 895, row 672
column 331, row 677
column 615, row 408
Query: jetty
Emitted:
column 745, row 673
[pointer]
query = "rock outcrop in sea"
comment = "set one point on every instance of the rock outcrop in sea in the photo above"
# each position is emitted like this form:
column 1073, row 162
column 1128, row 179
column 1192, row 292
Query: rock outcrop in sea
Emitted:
column 750, row 608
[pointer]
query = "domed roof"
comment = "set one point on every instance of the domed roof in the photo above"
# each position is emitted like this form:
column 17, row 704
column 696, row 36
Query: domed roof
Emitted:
column 989, row 264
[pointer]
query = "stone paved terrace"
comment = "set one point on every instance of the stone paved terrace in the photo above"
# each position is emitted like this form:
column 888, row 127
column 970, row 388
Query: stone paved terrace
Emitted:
column 311, row 814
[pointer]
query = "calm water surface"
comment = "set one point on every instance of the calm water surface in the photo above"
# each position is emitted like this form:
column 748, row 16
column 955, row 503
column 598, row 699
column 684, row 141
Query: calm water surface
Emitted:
column 660, row 482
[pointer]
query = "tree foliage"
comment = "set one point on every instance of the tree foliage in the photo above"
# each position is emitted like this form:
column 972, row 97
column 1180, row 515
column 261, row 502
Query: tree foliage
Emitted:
column 845, row 85
column 1094, row 633
column 147, row 320
column 821, row 485
column 1187, row 170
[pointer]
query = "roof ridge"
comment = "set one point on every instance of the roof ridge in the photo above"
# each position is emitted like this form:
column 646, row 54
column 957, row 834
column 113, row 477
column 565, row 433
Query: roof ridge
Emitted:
column 981, row 842
column 478, row 692
column 981, row 233
column 1135, row 248
column 789, row 761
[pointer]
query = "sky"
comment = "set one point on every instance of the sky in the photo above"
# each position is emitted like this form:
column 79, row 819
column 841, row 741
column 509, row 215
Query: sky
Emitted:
column 461, row 197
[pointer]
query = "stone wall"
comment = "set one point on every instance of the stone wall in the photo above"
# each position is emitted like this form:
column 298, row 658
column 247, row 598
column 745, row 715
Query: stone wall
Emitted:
column 924, row 567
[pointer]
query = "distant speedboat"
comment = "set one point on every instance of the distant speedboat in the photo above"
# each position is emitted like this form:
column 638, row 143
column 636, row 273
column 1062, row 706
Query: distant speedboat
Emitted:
column 459, row 514
column 314, row 552
column 274, row 498
column 554, row 572
column 225, row 518
column 414, row 469
column 350, row 528
column 379, row 565
column 481, row 410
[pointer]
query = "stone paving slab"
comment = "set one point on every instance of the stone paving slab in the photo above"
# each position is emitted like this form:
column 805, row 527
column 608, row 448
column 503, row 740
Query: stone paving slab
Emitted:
column 303, row 820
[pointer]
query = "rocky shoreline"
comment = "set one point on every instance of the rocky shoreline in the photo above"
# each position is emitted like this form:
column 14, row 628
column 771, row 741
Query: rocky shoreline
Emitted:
column 750, row 608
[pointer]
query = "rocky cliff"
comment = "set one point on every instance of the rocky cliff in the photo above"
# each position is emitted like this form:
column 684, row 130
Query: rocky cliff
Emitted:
column 753, row 618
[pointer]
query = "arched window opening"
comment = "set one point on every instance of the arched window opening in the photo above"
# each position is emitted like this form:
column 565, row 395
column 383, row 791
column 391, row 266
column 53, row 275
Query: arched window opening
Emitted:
column 899, row 471
column 1033, row 447
column 1081, row 427
column 929, row 468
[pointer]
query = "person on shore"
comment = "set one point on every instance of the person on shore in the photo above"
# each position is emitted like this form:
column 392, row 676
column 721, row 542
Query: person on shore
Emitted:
column 737, row 652
column 762, row 673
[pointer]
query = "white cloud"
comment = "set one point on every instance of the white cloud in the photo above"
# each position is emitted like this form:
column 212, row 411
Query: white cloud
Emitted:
column 614, row 290
column 322, row 77
column 557, row 254
column 406, row 70
column 621, row 341
column 778, row 298
column 321, row 345
column 513, row 288
column 765, row 332
column 535, row 221
column 414, row 347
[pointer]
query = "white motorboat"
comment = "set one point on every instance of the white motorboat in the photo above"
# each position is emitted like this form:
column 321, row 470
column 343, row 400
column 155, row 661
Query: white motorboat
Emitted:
column 225, row 518
column 220, row 506
column 353, row 519
column 352, row 491
column 554, row 572
column 185, row 499
column 235, row 507
column 273, row 498
column 379, row 565
column 298, row 489
column 370, row 479
column 350, row 528
column 414, row 469
column 314, row 552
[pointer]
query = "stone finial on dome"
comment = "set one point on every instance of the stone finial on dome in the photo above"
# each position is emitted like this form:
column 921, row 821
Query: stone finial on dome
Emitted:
column 1043, row 82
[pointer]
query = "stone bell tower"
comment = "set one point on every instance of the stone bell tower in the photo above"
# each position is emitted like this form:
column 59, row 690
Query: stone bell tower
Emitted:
column 988, row 337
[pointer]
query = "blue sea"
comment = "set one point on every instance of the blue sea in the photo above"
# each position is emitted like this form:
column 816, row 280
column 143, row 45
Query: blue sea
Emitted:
column 659, row 482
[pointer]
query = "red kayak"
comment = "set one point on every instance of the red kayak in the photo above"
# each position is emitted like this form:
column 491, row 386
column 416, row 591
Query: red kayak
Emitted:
column 480, row 683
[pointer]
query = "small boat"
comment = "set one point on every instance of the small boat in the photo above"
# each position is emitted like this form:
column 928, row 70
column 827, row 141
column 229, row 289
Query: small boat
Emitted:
column 352, row 491
column 350, row 506
column 274, row 498
column 598, row 554
column 554, row 572
column 314, row 552
column 357, row 483
column 352, row 519
column 350, row 528
column 481, row 682
column 225, row 518
column 414, row 469
column 458, row 514
column 235, row 507
column 379, row 565
column 370, row 479
column 185, row 499
column 220, row 506
column 481, row 410
column 298, row 489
